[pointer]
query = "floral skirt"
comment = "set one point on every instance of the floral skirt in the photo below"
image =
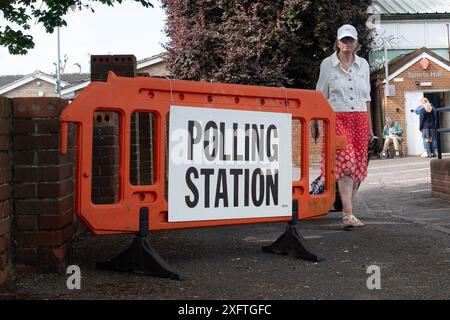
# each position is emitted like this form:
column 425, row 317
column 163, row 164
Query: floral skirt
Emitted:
column 353, row 160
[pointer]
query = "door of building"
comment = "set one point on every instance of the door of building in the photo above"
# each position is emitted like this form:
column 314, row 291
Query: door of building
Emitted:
column 442, row 99
column 413, row 135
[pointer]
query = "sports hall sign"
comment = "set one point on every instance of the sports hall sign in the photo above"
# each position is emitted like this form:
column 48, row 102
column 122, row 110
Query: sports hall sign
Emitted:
column 229, row 164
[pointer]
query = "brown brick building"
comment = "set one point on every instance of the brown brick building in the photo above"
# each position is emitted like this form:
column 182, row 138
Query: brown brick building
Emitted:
column 421, row 73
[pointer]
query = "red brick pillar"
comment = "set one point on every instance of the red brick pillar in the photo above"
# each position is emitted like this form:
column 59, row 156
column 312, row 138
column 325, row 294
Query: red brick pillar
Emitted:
column 440, row 178
column 5, row 189
column 43, row 187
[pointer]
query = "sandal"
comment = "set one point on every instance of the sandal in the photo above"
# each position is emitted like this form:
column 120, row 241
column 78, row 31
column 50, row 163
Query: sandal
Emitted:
column 350, row 221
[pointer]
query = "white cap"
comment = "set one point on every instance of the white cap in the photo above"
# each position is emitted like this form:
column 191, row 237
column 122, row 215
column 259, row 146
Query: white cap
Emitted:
column 347, row 30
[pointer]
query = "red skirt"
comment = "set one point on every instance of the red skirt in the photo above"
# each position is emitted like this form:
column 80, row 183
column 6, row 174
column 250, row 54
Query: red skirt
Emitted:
column 353, row 160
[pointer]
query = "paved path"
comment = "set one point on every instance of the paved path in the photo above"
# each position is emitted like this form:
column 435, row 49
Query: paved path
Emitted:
column 401, row 188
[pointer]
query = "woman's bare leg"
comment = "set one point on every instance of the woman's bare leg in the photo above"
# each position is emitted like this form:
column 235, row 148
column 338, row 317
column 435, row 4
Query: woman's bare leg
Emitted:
column 345, row 185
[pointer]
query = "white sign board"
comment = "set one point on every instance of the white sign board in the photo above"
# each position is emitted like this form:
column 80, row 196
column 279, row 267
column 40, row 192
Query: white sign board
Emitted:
column 229, row 164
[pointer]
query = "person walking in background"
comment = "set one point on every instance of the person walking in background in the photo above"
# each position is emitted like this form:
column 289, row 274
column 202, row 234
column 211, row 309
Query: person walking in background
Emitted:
column 344, row 80
column 392, row 134
column 427, row 125
column 434, row 138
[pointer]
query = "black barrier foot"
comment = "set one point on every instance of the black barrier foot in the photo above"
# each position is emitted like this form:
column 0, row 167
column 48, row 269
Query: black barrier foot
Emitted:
column 291, row 241
column 140, row 256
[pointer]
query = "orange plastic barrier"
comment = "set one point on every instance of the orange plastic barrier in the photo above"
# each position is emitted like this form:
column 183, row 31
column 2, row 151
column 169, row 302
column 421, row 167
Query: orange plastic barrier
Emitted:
column 155, row 95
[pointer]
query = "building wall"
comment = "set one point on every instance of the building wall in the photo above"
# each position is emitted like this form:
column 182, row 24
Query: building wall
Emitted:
column 32, row 89
column 408, row 35
column 394, row 106
column 156, row 70
column 414, row 34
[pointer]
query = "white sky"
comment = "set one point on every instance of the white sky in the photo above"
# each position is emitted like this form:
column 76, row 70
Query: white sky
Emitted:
column 126, row 28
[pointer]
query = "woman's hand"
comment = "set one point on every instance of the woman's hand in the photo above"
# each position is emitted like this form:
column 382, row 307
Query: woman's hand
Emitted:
column 371, row 135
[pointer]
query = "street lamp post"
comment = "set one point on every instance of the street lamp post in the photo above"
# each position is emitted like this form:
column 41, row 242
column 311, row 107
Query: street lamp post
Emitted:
column 58, row 66
column 386, row 66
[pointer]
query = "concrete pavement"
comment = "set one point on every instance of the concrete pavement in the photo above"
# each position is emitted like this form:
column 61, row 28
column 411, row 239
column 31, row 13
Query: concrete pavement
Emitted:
column 401, row 188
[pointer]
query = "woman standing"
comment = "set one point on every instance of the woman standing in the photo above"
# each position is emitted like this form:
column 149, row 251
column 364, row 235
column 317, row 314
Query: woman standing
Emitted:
column 345, row 81
column 427, row 124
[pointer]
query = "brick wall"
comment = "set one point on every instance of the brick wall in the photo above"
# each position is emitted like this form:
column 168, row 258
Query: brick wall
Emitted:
column 5, row 190
column 315, row 147
column 440, row 178
column 142, row 142
column 43, row 187
column 105, row 158
column 296, row 148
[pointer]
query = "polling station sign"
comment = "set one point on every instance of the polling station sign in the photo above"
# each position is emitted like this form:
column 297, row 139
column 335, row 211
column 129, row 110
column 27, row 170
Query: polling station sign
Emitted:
column 228, row 164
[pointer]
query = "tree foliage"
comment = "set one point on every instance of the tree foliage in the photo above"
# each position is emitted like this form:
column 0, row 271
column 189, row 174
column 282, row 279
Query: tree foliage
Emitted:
column 275, row 43
column 18, row 14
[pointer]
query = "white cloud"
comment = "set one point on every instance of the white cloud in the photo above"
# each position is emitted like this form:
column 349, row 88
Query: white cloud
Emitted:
column 126, row 28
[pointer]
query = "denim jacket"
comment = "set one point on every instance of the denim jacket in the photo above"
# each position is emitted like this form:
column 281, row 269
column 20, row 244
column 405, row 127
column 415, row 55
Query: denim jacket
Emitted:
column 346, row 91
column 427, row 121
